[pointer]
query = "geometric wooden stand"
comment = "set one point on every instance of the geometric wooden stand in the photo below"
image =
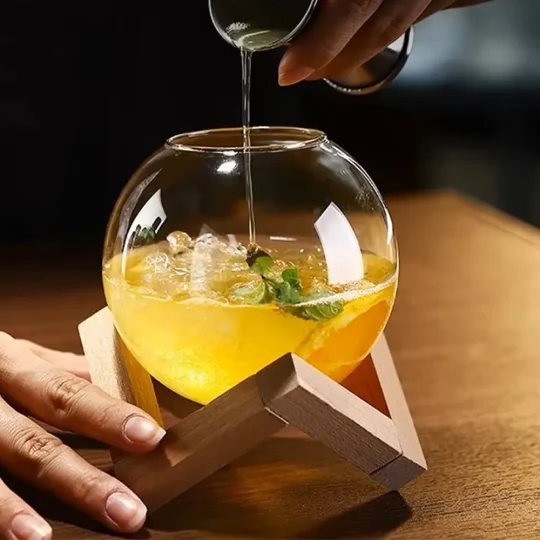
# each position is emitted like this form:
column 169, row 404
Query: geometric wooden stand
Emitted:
column 371, row 428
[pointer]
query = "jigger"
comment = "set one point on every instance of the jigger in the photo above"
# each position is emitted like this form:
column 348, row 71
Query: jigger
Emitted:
column 268, row 24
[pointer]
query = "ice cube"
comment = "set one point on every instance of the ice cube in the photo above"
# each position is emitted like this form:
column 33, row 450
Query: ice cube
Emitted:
column 215, row 264
column 220, row 252
column 157, row 263
column 206, row 241
column 181, row 264
column 179, row 242
column 165, row 276
column 148, row 263
column 205, row 257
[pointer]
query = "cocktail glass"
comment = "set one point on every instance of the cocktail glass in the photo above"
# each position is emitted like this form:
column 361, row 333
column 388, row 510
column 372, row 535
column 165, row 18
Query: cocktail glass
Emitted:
column 201, row 305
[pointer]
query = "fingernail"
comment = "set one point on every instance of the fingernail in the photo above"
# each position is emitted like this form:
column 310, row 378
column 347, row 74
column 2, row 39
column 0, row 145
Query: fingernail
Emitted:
column 126, row 511
column 139, row 429
column 289, row 76
column 29, row 527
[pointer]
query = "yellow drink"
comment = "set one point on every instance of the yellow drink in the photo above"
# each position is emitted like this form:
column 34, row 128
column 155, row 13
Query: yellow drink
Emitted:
column 183, row 319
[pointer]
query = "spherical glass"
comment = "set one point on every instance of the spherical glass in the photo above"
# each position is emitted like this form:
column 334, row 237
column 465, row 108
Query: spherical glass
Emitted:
column 202, row 306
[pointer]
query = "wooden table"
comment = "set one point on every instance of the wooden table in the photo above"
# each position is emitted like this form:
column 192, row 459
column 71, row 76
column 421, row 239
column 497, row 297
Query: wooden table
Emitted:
column 466, row 339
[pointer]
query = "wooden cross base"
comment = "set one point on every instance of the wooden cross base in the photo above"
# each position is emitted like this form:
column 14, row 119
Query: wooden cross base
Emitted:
column 374, row 432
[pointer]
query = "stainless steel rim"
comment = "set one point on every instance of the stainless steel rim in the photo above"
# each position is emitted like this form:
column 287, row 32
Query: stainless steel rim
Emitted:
column 377, row 85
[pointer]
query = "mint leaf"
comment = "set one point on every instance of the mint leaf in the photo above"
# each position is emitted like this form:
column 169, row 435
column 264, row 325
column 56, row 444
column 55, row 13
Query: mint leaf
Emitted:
column 317, row 312
column 320, row 311
column 143, row 237
column 289, row 291
column 291, row 276
column 287, row 294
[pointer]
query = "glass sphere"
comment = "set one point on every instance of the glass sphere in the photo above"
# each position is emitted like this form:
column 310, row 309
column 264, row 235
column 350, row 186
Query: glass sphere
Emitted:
column 202, row 305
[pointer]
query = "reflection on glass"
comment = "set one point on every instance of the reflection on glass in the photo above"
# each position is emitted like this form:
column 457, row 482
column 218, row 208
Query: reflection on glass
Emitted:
column 200, row 308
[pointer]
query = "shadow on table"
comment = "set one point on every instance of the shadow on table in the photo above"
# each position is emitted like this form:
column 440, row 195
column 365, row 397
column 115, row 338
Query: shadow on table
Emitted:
column 288, row 487
column 282, row 490
column 373, row 519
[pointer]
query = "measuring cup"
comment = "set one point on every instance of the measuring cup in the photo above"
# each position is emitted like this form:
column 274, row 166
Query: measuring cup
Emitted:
column 261, row 25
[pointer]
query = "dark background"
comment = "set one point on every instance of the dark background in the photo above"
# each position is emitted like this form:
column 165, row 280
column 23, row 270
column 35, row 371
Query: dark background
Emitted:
column 86, row 95
column 465, row 112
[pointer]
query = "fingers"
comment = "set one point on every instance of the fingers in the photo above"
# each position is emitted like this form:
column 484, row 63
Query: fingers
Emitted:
column 33, row 454
column 335, row 24
column 72, row 363
column 18, row 521
column 71, row 403
column 348, row 33
column 390, row 22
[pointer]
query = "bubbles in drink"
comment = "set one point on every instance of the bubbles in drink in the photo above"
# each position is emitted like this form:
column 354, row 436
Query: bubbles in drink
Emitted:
column 195, row 306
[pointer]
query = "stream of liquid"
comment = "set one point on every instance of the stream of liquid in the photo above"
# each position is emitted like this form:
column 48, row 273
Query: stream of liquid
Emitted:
column 229, row 329
column 246, row 124
column 250, row 41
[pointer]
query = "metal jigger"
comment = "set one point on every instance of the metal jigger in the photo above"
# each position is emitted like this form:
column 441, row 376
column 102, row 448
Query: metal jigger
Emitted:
column 268, row 24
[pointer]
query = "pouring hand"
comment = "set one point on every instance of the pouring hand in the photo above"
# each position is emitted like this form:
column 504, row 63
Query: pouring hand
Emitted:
column 348, row 33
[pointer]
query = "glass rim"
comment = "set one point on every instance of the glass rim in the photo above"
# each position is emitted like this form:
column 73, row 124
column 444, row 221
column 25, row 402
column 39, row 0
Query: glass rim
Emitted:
column 293, row 138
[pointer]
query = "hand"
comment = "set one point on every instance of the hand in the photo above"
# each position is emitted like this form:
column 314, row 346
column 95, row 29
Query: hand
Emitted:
column 72, row 363
column 348, row 33
column 31, row 385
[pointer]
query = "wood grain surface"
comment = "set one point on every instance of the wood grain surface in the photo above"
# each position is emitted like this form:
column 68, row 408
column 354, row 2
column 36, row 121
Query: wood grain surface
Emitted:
column 465, row 338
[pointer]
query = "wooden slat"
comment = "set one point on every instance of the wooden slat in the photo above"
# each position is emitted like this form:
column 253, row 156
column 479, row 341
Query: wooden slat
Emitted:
column 289, row 391
column 464, row 339
column 113, row 368
column 411, row 463
column 329, row 413
column 199, row 445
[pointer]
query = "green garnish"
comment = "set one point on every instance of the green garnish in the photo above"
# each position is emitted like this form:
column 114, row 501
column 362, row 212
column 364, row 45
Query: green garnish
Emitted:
column 322, row 311
column 286, row 292
column 143, row 237
column 251, row 293
column 291, row 277
column 258, row 260
column 262, row 265
column 289, row 291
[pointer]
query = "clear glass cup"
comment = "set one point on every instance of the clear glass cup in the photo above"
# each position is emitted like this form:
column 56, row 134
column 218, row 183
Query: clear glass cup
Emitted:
column 200, row 307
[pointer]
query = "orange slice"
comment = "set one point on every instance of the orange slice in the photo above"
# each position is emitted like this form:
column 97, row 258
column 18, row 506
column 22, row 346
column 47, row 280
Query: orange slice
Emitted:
column 339, row 345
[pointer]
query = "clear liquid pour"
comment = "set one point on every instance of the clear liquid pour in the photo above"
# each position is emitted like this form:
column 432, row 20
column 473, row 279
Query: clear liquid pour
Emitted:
column 246, row 124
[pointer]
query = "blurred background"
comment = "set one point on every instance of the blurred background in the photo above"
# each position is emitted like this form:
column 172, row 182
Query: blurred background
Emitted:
column 465, row 112
column 85, row 97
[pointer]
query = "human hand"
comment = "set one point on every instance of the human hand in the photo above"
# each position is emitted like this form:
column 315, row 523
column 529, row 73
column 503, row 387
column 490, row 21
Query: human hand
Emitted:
column 75, row 364
column 348, row 33
column 32, row 386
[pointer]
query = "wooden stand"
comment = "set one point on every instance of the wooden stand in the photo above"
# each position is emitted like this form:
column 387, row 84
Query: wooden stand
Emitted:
column 366, row 421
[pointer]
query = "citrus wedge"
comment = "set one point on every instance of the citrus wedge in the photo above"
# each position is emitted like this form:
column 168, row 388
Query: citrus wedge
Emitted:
column 339, row 345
